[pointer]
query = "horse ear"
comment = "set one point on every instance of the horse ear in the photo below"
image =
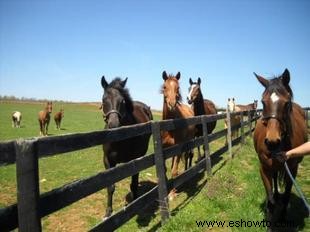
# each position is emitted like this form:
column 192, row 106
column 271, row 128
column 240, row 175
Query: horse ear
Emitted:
column 104, row 83
column 286, row 77
column 123, row 83
column 178, row 76
column 199, row 81
column 165, row 77
column 262, row 80
column 190, row 81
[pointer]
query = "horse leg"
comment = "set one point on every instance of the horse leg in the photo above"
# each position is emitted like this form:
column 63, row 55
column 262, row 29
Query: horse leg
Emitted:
column 267, row 180
column 134, row 186
column 275, row 187
column 174, row 171
column 287, row 192
column 46, row 128
column 41, row 128
column 110, row 190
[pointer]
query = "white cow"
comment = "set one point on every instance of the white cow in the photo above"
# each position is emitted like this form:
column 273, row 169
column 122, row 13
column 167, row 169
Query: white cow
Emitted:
column 16, row 118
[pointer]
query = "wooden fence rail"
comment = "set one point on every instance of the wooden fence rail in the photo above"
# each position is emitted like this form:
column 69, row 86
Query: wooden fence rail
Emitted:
column 31, row 206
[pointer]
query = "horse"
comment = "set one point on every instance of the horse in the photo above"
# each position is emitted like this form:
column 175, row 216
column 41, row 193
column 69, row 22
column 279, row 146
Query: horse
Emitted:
column 16, row 119
column 200, row 106
column 251, row 106
column 234, row 119
column 44, row 118
column 173, row 109
column 280, row 128
column 120, row 110
column 58, row 117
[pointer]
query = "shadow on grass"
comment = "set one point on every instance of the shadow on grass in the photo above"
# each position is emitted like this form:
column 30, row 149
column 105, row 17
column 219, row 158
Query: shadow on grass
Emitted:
column 295, row 216
column 147, row 214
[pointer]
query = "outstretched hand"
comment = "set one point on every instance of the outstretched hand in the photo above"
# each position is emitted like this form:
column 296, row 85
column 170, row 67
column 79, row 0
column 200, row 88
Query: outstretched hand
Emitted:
column 280, row 156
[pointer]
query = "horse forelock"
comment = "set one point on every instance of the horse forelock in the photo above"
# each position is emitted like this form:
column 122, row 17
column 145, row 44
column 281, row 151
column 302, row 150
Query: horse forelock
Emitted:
column 276, row 86
column 117, row 84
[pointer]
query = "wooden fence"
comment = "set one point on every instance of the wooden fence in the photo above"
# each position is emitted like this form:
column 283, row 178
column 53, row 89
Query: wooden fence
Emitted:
column 31, row 206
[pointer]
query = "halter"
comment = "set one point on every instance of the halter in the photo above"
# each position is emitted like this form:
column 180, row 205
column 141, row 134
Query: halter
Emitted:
column 112, row 112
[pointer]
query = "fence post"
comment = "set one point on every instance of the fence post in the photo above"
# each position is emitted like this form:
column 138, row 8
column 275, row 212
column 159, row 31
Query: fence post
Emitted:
column 206, row 144
column 27, row 175
column 242, row 127
column 229, row 131
column 250, row 122
column 161, row 173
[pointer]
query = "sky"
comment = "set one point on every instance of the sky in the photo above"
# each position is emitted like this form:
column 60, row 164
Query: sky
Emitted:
column 59, row 50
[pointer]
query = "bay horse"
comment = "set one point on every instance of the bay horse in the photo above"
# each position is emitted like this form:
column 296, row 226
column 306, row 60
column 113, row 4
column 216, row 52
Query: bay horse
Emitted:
column 200, row 106
column 251, row 106
column 120, row 110
column 16, row 119
column 174, row 109
column 281, row 127
column 44, row 118
column 58, row 117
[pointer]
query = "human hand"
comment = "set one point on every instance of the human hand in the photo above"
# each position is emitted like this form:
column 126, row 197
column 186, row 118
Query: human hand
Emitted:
column 280, row 156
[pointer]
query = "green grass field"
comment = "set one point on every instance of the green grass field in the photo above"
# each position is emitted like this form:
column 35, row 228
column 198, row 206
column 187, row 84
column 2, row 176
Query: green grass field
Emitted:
column 234, row 192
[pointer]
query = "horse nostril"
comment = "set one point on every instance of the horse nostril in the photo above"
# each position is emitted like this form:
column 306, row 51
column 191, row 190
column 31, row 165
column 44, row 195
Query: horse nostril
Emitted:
column 272, row 144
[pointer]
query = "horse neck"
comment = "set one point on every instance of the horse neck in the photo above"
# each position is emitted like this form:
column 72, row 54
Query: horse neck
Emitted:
column 199, row 108
column 167, row 114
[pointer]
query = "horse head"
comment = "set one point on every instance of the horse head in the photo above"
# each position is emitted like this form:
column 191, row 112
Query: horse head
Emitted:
column 277, row 105
column 116, row 102
column 231, row 105
column 194, row 90
column 171, row 90
column 49, row 107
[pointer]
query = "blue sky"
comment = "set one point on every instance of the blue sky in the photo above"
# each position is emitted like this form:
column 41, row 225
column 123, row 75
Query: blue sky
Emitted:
column 60, row 49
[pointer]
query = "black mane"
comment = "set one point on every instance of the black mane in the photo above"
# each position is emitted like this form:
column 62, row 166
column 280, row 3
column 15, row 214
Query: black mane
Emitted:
column 117, row 84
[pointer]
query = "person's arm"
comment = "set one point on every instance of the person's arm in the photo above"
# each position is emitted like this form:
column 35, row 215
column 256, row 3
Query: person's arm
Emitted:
column 301, row 150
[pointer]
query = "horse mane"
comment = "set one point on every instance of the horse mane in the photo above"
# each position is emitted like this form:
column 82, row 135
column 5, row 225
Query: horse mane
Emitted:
column 117, row 84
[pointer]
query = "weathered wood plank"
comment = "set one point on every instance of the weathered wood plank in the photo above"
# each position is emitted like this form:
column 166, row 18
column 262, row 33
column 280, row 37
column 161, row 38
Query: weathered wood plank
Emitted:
column 27, row 175
column 188, row 174
column 70, row 193
column 122, row 216
column 8, row 218
column 66, row 143
column 7, row 153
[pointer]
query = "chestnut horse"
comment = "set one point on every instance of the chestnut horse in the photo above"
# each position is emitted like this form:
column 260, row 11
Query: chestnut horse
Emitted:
column 281, row 128
column 58, row 117
column 44, row 118
column 120, row 110
column 200, row 106
column 173, row 109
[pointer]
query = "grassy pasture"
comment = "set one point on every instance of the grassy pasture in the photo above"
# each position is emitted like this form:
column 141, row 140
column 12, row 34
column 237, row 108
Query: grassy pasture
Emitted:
column 234, row 192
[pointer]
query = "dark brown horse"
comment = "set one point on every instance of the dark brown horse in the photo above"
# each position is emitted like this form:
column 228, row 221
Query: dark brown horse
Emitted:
column 44, row 118
column 58, row 117
column 200, row 106
column 281, row 127
column 120, row 110
column 173, row 109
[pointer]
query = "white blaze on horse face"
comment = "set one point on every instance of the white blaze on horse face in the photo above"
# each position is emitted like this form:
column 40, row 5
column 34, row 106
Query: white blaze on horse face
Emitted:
column 274, row 97
column 191, row 91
